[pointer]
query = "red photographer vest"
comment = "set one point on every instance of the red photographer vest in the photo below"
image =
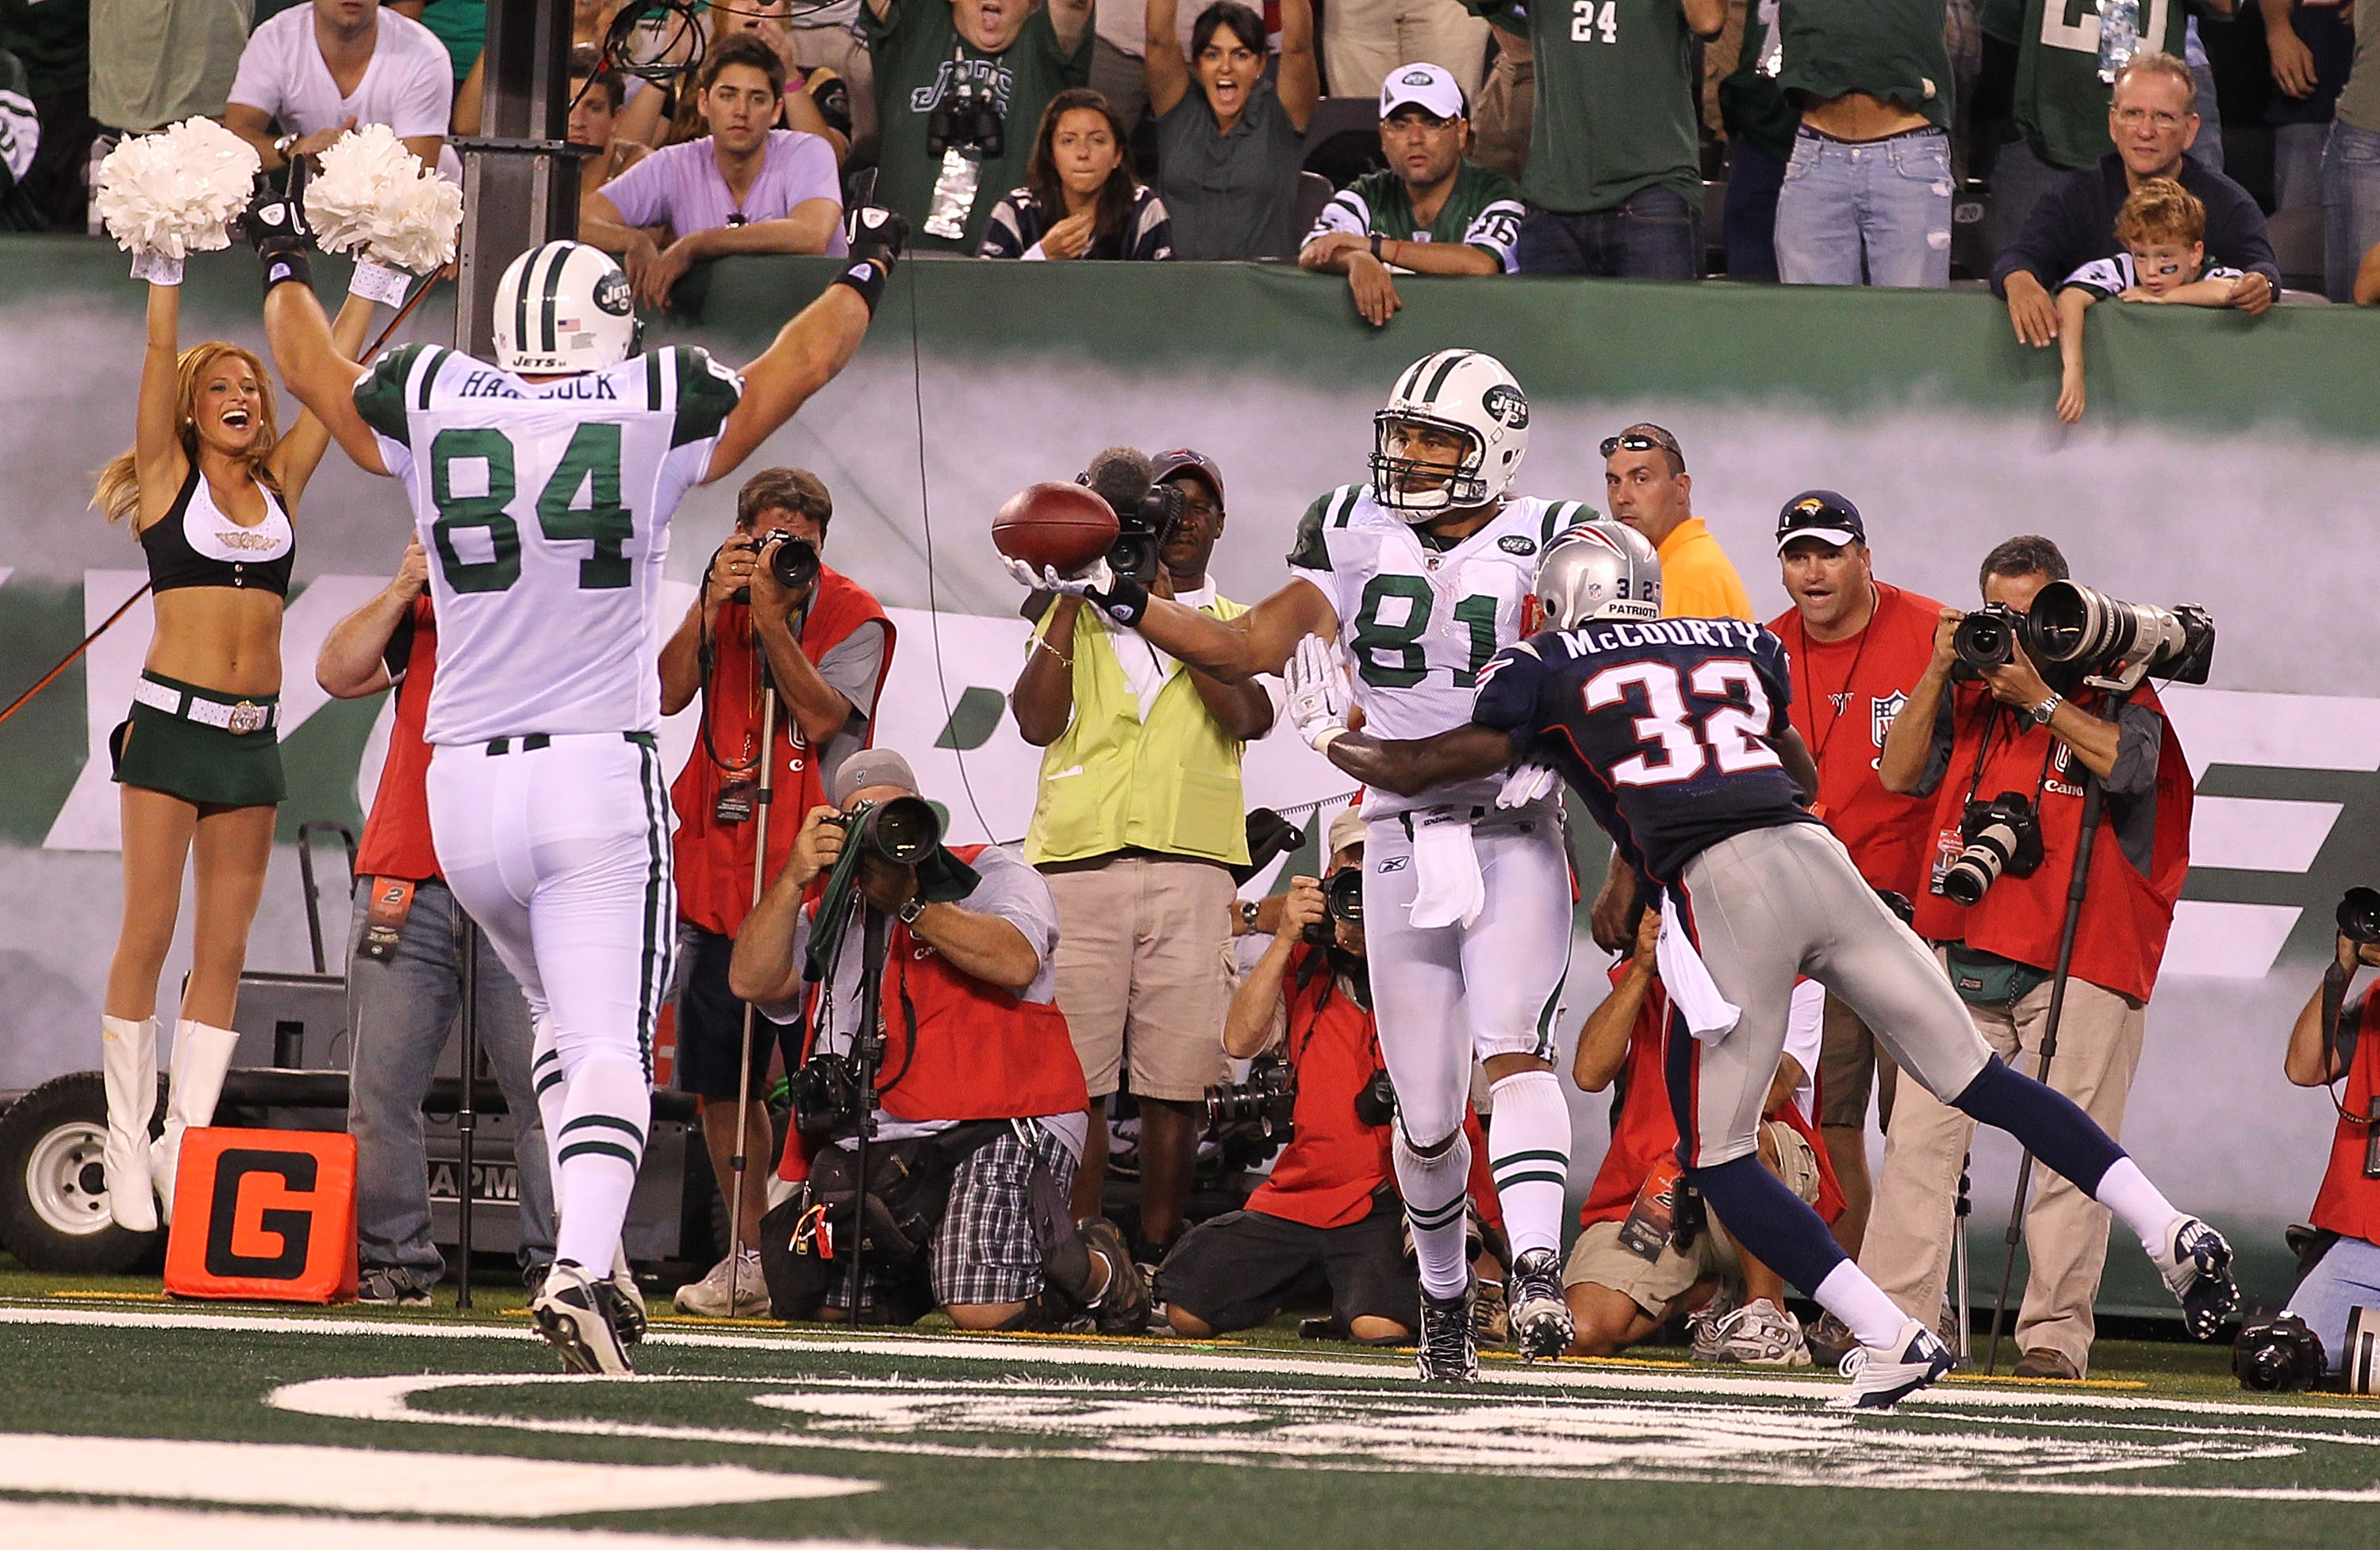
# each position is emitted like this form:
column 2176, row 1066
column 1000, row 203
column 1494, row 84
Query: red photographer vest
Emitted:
column 2120, row 941
column 714, row 859
column 396, row 836
column 1325, row 1175
column 981, row 1053
column 2348, row 1202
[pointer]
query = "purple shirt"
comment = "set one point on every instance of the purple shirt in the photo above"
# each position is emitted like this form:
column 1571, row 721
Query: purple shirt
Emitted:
column 680, row 186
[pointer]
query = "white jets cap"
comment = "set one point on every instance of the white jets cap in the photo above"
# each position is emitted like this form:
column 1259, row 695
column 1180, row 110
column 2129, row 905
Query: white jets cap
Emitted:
column 1425, row 87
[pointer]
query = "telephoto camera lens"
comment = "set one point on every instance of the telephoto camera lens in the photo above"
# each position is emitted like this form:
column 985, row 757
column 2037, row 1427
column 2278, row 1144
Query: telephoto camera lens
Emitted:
column 2000, row 835
column 2278, row 1356
column 2359, row 915
column 2118, row 641
column 904, row 830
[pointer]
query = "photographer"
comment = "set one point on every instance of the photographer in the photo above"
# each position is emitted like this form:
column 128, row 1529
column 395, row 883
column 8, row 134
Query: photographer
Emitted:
column 1331, row 1205
column 972, row 1034
column 1139, row 819
column 1641, row 1259
column 2018, row 739
column 822, row 649
column 2346, row 1274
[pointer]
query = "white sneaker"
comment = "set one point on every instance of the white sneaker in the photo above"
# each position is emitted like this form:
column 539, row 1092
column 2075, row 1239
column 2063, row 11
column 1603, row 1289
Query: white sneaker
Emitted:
column 571, row 1315
column 711, row 1297
column 1759, row 1333
column 2197, row 1270
column 1882, row 1377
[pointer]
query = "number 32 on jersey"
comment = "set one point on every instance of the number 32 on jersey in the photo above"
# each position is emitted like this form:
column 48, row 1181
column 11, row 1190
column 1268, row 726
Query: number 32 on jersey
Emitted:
column 1680, row 744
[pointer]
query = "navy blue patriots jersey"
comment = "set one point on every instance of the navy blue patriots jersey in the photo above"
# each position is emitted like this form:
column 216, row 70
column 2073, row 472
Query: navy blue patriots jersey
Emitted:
column 1662, row 726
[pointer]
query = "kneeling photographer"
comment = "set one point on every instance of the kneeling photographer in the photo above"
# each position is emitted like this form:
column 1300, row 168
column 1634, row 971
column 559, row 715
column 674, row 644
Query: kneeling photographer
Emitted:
column 2333, row 1038
column 2010, row 727
column 1331, row 1209
column 954, row 1057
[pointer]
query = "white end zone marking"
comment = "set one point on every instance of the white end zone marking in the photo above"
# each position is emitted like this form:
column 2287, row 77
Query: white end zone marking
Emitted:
column 372, row 1479
column 76, row 1526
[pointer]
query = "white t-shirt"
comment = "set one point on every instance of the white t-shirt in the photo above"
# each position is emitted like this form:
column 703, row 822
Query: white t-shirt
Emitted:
column 409, row 85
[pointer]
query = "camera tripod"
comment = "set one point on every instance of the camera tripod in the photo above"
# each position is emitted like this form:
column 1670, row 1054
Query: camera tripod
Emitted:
column 763, row 797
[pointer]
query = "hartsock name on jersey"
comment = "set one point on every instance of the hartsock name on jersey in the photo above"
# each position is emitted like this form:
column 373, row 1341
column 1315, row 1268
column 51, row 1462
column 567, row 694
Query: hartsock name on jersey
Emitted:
column 496, row 385
column 1589, row 640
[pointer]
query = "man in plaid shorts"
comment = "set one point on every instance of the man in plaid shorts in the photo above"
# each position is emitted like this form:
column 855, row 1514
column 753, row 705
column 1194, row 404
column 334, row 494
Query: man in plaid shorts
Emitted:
column 977, row 1061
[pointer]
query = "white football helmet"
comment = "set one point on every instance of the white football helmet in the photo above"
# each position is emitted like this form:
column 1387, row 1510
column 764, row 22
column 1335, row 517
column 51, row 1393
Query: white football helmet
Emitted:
column 564, row 307
column 1462, row 391
column 1597, row 570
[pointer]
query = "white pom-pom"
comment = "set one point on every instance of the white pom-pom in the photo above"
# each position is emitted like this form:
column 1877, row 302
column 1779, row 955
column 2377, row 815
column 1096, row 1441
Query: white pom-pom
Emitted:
column 375, row 196
column 174, row 193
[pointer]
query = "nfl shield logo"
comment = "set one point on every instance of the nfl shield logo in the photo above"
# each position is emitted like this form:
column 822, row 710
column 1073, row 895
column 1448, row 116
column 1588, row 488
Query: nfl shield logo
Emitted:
column 1881, row 712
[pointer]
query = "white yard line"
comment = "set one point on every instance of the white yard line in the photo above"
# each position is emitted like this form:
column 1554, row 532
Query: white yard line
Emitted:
column 76, row 1526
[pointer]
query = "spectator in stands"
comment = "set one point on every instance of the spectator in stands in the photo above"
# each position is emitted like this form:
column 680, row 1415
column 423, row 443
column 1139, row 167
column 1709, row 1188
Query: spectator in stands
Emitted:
column 2010, row 732
column 995, row 64
column 1330, row 1207
column 49, row 151
column 404, row 969
column 1118, row 71
column 749, row 187
column 2151, row 118
column 1614, row 182
column 2162, row 228
column 826, row 650
column 319, row 70
column 1650, row 1250
column 460, row 27
column 1231, row 134
column 2351, row 166
column 2345, row 1216
column 1432, row 211
column 1760, row 124
column 154, row 63
column 1080, row 200
column 1139, row 819
column 595, row 120
column 1366, row 41
column 2310, row 49
column 1855, row 648
column 1866, row 200
column 977, row 1063
column 1507, row 99
column 815, row 102
column 818, row 42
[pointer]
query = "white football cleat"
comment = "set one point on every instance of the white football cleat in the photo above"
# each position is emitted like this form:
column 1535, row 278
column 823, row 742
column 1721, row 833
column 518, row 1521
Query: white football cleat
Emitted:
column 576, row 1323
column 1541, row 1322
column 1882, row 1377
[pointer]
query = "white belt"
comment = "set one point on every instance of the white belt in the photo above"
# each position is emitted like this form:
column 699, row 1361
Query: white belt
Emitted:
column 239, row 719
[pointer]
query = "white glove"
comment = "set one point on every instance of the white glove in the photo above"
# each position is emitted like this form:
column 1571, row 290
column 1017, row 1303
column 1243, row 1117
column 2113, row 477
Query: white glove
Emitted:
column 156, row 268
column 1096, row 577
column 1527, row 784
column 1318, row 693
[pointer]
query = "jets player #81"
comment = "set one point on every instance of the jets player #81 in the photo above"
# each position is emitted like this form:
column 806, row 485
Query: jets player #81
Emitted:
column 1674, row 734
column 543, row 484
column 1404, row 588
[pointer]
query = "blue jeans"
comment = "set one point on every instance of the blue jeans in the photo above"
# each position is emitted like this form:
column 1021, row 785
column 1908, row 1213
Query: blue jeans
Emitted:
column 1654, row 234
column 1875, row 213
column 1753, row 179
column 2349, row 1277
column 399, row 1014
column 2350, row 205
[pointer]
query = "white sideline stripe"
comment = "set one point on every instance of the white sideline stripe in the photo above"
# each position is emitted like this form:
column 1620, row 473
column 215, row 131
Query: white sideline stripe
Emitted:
column 1142, row 1358
column 371, row 1480
column 76, row 1526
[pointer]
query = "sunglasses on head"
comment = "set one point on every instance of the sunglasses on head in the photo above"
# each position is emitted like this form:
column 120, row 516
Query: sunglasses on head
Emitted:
column 1638, row 441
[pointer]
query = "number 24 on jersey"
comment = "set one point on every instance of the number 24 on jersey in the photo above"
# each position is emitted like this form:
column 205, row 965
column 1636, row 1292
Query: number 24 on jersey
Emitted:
column 1592, row 22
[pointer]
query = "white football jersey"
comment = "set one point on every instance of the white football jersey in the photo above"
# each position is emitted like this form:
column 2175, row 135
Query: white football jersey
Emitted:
column 546, row 509
column 1416, row 624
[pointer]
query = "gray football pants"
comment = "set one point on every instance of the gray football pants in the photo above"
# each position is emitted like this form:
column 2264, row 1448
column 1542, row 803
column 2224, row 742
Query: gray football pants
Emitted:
column 1766, row 907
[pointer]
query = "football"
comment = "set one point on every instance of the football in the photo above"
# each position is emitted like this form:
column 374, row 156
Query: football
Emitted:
column 1060, row 525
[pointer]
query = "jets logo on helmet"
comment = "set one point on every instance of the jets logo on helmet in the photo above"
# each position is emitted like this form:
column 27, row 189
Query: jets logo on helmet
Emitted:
column 1599, row 570
column 563, row 306
column 1470, row 394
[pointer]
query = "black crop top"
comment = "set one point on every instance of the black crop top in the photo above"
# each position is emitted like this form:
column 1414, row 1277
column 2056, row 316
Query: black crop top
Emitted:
column 196, row 545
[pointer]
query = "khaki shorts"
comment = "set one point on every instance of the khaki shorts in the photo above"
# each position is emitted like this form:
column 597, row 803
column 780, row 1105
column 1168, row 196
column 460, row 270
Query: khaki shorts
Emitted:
column 1849, row 1063
column 1600, row 1259
column 1141, row 943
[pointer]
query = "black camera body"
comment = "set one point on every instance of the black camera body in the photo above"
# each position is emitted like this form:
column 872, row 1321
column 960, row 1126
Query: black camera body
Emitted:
column 1267, row 1101
column 1343, row 899
column 792, row 561
column 904, row 830
column 2359, row 915
column 2278, row 1355
column 2097, row 639
column 967, row 119
column 1141, row 532
column 1377, row 1103
column 1987, row 638
column 2001, row 835
column 827, row 1099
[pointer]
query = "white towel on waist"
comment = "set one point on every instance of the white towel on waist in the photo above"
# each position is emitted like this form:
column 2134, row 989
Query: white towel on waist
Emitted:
column 1710, row 1016
column 1447, row 887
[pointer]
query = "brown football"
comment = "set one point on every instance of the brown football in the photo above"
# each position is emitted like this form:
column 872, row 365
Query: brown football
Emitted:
column 1060, row 525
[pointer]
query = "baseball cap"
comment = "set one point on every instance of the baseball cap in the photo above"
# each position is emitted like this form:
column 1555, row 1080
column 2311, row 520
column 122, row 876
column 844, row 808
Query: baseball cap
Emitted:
column 1346, row 829
column 1821, row 515
column 1171, row 463
column 1425, row 87
column 871, row 767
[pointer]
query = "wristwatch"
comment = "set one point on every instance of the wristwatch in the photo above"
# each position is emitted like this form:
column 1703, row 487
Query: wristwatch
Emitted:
column 1247, row 916
column 2046, row 709
column 911, row 911
column 281, row 147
